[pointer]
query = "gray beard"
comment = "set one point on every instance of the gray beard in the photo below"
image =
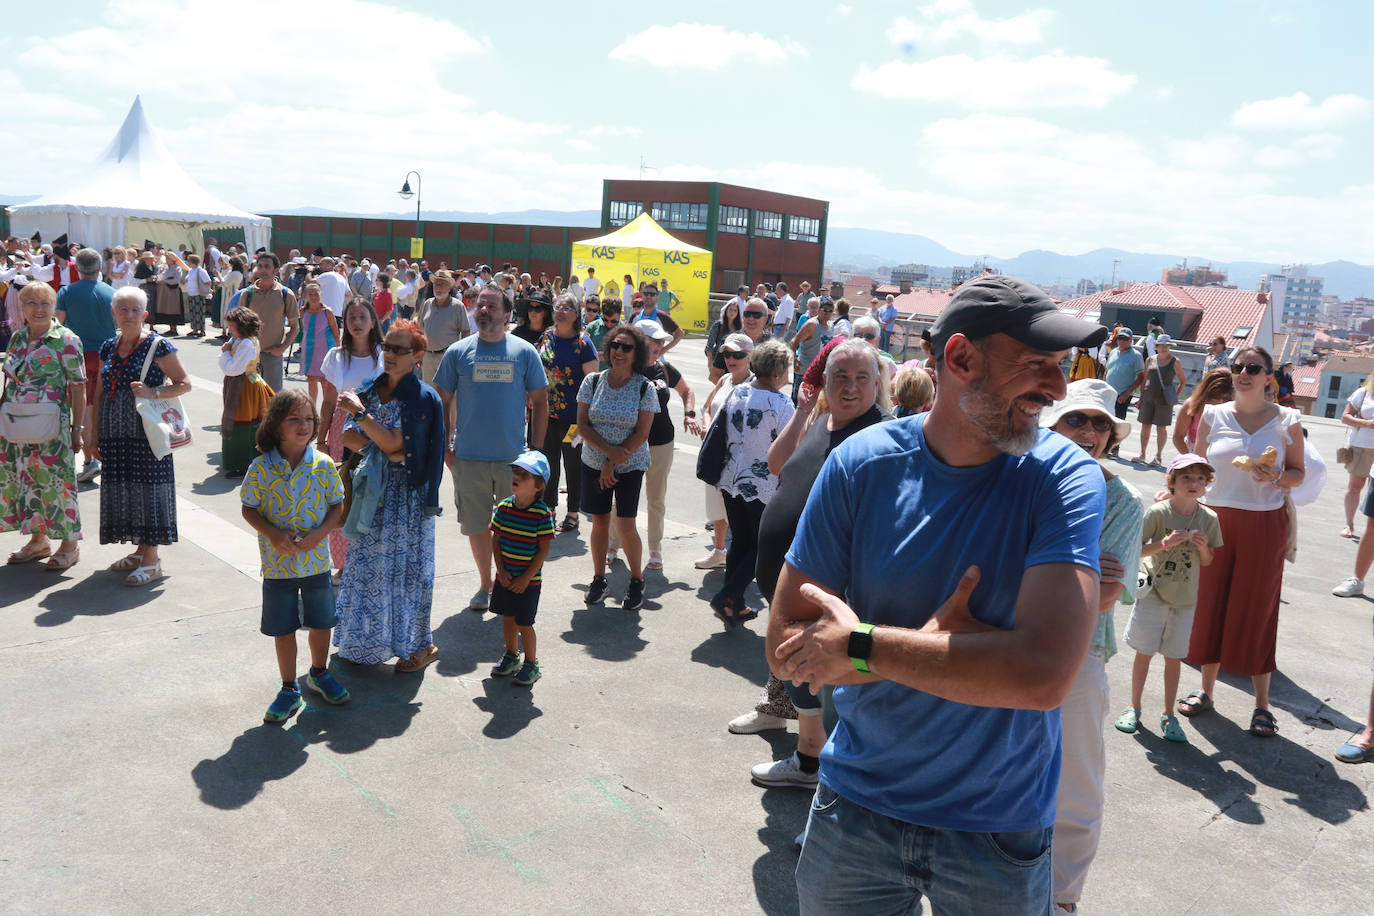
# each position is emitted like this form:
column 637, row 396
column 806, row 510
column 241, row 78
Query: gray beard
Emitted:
column 992, row 416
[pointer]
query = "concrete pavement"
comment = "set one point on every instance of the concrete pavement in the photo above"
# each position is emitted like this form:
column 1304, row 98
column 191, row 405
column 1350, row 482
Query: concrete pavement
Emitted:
column 139, row 776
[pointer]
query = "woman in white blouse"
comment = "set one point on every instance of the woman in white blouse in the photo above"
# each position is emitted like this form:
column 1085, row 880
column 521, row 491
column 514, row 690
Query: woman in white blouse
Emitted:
column 755, row 414
column 345, row 367
column 1237, row 618
column 117, row 271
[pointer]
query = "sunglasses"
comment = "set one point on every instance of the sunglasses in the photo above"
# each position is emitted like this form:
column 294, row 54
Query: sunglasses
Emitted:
column 1099, row 423
column 733, row 354
column 1247, row 368
column 867, row 336
column 826, row 309
column 397, row 349
column 537, row 308
column 622, row 345
column 755, row 314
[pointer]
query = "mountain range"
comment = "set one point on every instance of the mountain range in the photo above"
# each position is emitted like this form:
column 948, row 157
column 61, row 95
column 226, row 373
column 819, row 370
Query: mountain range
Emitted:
column 865, row 250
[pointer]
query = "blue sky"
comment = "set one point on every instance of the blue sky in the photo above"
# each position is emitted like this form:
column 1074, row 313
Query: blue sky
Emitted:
column 1226, row 129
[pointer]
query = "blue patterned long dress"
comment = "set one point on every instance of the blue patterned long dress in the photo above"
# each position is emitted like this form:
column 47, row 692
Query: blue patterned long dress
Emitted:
column 388, row 584
column 138, row 491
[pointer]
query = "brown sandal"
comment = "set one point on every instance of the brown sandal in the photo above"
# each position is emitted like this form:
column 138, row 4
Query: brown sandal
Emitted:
column 419, row 660
column 26, row 555
column 63, row 559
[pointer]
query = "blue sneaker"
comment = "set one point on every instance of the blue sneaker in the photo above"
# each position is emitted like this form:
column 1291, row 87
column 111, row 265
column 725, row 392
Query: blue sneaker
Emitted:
column 529, row 673
column 508, row 665
column 286, row 705
column 328, row 686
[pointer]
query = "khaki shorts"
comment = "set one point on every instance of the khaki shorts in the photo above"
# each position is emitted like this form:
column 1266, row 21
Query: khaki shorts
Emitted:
column 477, row 487
column 1361, row 464
column 1155, row 412
column 1156, row 628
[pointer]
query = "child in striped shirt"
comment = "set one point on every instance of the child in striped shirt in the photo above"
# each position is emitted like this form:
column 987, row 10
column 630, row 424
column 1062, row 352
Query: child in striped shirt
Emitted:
column 521, row 534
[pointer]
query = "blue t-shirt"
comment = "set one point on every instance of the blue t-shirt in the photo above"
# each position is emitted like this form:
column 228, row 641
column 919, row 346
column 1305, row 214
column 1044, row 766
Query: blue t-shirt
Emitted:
column 87, row 306
column 888, row 315
column 1123, row 367
column 490, row 381
column 893, row 528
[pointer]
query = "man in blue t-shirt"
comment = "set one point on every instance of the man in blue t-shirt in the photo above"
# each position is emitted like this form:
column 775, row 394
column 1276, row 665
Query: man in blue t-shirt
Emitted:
column 888, row 316
column 84, row 307
column 486, row 381
column 940, row 777
column 1125, row 370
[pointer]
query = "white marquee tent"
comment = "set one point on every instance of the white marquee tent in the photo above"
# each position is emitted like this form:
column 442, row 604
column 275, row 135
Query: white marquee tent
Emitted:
column 134, row 191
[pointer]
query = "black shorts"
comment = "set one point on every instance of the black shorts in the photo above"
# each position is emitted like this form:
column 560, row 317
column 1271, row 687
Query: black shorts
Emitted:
column 522, row 606
column 596, row 501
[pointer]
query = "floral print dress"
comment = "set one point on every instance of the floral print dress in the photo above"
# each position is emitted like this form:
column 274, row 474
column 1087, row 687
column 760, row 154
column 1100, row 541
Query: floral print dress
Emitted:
column 38, row 482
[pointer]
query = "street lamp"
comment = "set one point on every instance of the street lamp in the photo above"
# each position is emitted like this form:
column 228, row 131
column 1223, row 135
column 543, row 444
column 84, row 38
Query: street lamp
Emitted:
column 405, row 193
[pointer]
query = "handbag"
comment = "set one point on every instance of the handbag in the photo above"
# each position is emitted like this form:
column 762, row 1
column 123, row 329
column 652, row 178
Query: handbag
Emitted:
column 1170, row 392
column 1346, row 453
column 27, row 424
column 164, row 419
column 711, row 458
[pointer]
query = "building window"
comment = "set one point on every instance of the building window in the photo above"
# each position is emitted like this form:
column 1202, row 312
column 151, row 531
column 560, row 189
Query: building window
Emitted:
column 734, row 220
column 767, row 224
column 1241, row 333
column 1331, row 411
column 804, row 228
column 1334, row 389
column 622, row 211
column 680, row 215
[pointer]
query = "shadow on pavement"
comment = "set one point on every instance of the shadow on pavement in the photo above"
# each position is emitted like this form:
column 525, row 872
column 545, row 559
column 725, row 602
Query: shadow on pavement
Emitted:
column 785, row 812
column 99, row 594
column 567, row 544
column 216, row 484
column 738, row 650
column 1190, row 766
column 262, row 754
column 1310, row 782
column 466, row 640
column 606, row 631
column 510, row 706
column 383, row 706
column 1300, row 704
column 656, row 585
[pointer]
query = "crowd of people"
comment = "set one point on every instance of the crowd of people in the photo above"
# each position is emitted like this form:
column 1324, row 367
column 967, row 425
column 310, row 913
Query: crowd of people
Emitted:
column 981, row 607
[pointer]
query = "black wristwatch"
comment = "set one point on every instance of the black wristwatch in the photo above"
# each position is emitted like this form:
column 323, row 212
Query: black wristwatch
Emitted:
column 358, row 417
column 690, row 413
column 861, row 647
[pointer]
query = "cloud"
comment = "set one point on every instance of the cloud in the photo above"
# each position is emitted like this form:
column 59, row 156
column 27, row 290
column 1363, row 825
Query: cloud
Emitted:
column 946, row 21
column 1296, row 112
column 998, row 82
column 690, row 46
column 1309, row 148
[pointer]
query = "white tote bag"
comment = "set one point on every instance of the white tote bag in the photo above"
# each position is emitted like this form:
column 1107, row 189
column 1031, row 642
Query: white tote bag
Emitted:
column 27, row 424
column 164, row 419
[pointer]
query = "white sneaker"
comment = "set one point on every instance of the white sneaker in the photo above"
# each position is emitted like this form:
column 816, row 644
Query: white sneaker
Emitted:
column 783, row 773
column 90, row 472
column 1351, row 588
column 713, row 560
column 753, row 722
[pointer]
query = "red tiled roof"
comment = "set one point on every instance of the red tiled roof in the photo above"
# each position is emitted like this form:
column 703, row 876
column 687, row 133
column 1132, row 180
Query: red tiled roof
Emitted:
column 1307, row 380
column 1221, row 311
column 922, row 304
column 888, row 289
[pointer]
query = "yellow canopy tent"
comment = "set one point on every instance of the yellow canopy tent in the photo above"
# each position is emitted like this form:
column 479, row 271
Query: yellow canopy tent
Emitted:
column 644, row 250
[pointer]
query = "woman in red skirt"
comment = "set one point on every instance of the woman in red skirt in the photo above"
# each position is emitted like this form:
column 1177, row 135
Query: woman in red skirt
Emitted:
column 1257, row 450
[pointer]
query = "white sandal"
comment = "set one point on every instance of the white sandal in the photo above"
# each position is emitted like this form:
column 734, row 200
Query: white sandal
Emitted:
column 144, row 575
column 126, row 564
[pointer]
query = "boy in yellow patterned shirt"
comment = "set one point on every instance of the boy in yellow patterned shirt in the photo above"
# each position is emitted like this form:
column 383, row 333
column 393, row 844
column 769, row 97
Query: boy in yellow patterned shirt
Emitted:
column 293, row 497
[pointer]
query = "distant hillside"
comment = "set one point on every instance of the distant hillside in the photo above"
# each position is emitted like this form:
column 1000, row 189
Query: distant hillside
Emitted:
column 866, row 249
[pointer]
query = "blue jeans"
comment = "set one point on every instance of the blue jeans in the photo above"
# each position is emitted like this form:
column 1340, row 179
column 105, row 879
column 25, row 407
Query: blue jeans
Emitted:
column 885, row 338
column 858, row 861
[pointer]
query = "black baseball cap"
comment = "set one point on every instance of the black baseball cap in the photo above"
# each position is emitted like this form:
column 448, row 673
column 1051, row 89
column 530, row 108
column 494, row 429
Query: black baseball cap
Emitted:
column 1006, row 305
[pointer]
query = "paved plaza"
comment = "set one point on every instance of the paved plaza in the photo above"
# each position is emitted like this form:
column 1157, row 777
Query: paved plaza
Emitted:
column 139, row 777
